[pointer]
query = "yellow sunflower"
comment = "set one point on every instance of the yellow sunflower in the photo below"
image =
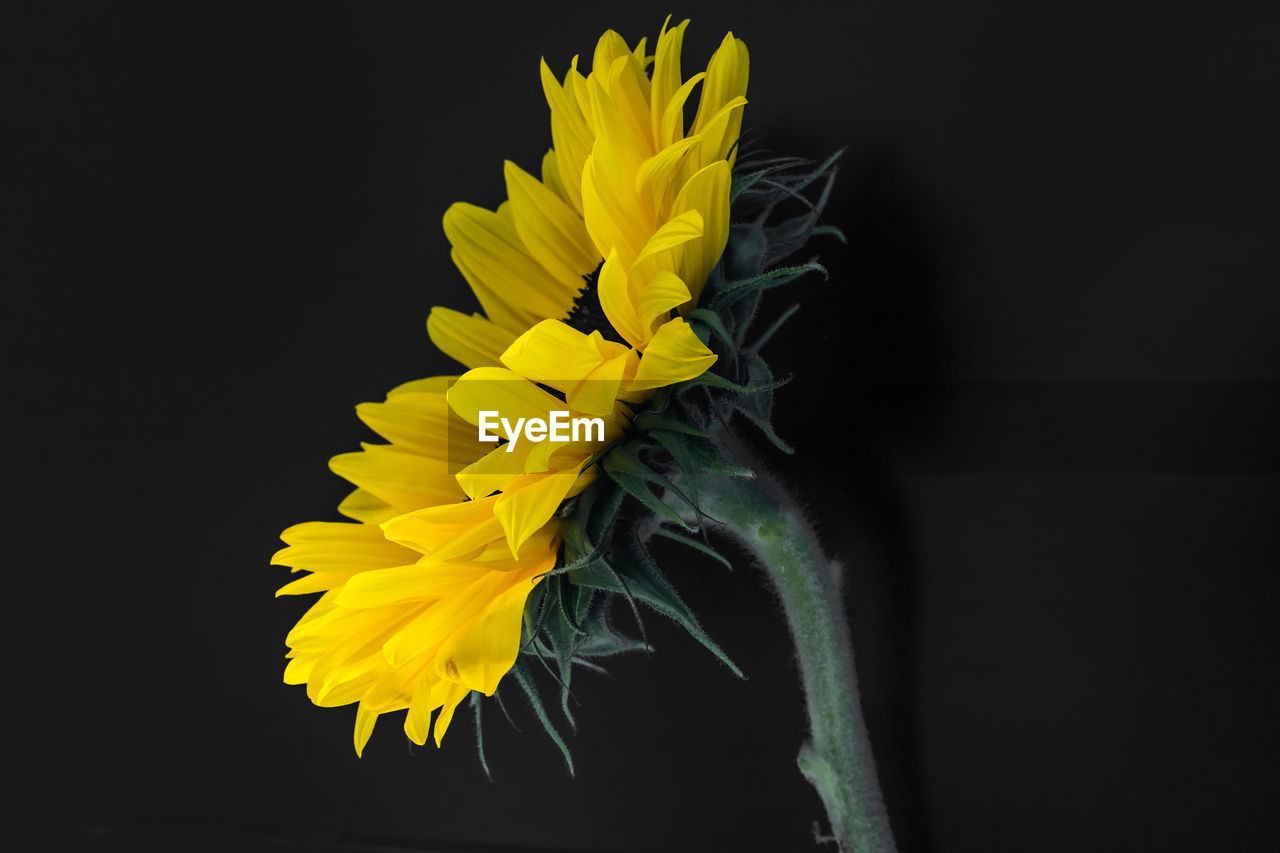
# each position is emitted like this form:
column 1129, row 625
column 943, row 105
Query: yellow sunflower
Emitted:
column 583, row 277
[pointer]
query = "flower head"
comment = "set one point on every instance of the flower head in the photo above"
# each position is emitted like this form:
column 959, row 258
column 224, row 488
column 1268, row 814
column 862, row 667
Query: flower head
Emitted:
column 461, row 554
column 424, row 593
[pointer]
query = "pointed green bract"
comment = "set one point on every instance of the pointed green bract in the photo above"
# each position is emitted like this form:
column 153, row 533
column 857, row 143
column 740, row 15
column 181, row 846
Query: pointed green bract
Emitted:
column 526, row 683
column 694, row 544
column 477, row 705
column 632, row 571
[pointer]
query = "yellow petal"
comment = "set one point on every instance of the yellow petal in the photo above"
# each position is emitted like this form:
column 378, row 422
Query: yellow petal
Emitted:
column 673, row 114
column 674, row 355
column 638, row 53
column 653, row 179
column 497, row 308
column 721, row 132
column 555, row 354
column 347, row 685
column 317, row 582
column 364, row 507
column 610, row 47
column 530, row 502
column 417, row 723
column 708, row 193
column 452, row 695
column 296, row 671
column 496, row 556
column 595, row 395
column 576, row 86
column 666, row 77
column 337, row 546
column 494, row 471
column 501, row 390
column 386, row 694
column 401, row 583
column 663, row 292
column 365, row 720
column 514, row 289
column 430, row 385
column 727, row 74
column 551, row 177
column 425, row 425
column 613, row 287
column 472, row 339
column 570, row 132
column 433, row 625
column 485, row 651
column 675, row 232
column 343, row 633
column 447, row 531
column 321, row 609
column 615, row 216
column 403, row 479
column 625, row 120
column 550, row 229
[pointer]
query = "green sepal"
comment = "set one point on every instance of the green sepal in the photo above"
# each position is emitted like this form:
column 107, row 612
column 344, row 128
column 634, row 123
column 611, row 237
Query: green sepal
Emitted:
column 591, row 666
column 564, row 633
column 758, row 408
column 734, row 290
column 715, row 380
column 711, row 319
column 525, row 680
column 476, row 705
column 773, row 329
column 741, row 314
column 690, row 542
column 566, row 695
column 633, row 475
column 790, row 236
column 829, row 231
column 635, row 575
column 536, row 607
column 649, row 585
column 573, row 532
column 743, row 183
column 677, row 445
column 648, row 422
column 602, row 639
column 601, row 645
column 574, row 603
column 743, row 254
column 783, row 180
column 707, row 457
column 557, row 628
column 604, row 512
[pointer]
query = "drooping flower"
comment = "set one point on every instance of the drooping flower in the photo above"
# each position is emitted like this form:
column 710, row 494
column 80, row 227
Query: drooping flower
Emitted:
column 585, row 279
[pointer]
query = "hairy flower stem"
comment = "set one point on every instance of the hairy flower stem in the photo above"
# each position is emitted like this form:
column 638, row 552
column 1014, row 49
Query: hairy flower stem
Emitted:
column 766, row 519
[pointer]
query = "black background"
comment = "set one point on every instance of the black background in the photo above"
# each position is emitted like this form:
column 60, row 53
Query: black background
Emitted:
column 1035, row 409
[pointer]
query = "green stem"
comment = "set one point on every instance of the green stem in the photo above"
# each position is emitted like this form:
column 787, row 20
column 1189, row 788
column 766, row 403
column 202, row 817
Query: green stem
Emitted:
column 764, row 517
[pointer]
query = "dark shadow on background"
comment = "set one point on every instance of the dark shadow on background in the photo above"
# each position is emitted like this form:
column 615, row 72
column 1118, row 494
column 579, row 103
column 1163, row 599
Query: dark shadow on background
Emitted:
column 890, row 304
column 874, row 319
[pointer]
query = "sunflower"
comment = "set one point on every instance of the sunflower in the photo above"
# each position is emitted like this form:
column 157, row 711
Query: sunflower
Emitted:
column 585, row 277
